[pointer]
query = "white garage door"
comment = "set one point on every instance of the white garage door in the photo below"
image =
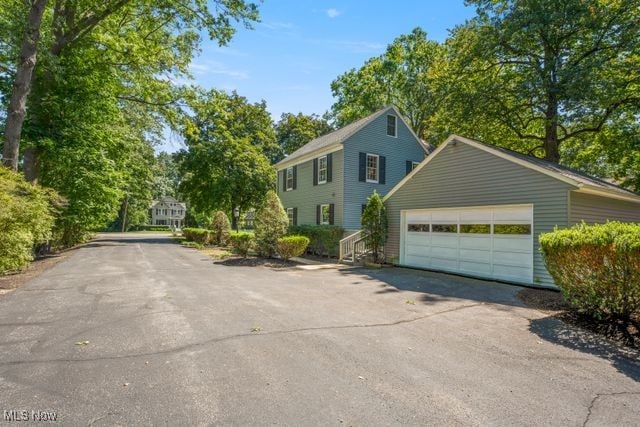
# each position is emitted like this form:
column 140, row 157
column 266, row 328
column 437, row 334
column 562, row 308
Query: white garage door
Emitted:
column 491, row 242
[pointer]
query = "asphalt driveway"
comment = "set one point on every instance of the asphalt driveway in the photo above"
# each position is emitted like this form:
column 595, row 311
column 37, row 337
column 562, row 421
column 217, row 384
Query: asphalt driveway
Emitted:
column 136, row 330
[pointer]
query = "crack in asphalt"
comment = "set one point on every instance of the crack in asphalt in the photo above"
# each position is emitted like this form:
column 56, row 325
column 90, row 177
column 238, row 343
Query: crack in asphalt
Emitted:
column 600, row 395
column 244, row 335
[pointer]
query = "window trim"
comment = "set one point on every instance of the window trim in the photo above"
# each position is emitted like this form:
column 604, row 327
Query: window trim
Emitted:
column 395, row 125
column 286, row 178
column 290, row 216
column 367, row 179
column 326, row 170
column 328, row 206
column 414, row 165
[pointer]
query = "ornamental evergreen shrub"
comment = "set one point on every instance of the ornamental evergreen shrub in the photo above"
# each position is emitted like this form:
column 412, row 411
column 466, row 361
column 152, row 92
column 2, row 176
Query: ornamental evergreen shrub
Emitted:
column 597, row 267
column 292, row 246
column 270, row 224
column 27, row 215
column 241, row 242
column 324, row 239
column 374, row 224
column 198, row 235
column 221, row 228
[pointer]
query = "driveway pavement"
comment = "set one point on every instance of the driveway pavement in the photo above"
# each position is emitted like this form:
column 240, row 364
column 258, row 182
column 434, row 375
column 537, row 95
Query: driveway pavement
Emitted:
column 135, row 330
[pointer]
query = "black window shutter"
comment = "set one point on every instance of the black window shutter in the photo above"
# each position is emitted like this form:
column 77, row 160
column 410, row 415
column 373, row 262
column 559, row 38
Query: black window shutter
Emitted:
column 318, row 209
column 315, row 171
column 331, row 213
column 284, row 180
column 363, row 167
column 383, row 174
column 363, row 208
column 295, row 177
column 329, row 166
column 409, row 165
column 295, row 216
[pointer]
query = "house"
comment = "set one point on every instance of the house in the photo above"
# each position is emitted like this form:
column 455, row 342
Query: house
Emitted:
column 477, row 210
column 168, row 211
column 328, row 180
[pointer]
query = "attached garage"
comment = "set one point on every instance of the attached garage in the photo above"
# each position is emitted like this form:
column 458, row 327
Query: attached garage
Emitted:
column 478, row 210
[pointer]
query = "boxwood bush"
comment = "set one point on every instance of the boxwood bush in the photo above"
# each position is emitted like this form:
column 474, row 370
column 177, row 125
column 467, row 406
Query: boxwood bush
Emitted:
column 149, row 227
column 241, row 242
column 597, row 267
column 292, row 246
column 323, row 239
column 198, row 235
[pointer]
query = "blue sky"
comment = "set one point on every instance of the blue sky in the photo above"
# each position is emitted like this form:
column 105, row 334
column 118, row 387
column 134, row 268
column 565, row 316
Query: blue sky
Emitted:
column 291, row 57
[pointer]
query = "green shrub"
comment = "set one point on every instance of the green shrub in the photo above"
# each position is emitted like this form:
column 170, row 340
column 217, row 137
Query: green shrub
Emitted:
column 324, row 239
column 149, row 227
column 597, row 267
column 292, row 246
column 27, row 215
column 221, row 228
column 270, row 224
column 198, row 235
column 374, row 224
column 241, row 242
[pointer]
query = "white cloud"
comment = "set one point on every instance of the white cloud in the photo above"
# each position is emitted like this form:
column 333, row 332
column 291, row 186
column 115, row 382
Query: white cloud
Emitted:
column 275, row 25
column 333, row 13
column 214, row 67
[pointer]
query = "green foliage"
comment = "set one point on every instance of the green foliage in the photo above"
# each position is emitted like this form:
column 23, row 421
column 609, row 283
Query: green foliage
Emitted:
column 27, row 215
column 225, row 164
column 241, row 242
column 597, row 267
column 148, row 227
column 292, row 246
column 221, row 229
column 324, row 240
column 270, row 224
column 295, row 130
column 198, row 235
column 374, row 225
column 166, row 176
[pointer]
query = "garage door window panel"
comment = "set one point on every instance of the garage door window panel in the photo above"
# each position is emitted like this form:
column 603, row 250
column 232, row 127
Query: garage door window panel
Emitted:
column 513, row 229
column 475, row 228
column 444, row 228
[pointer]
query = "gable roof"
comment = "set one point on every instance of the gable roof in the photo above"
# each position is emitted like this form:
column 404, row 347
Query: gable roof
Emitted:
column 583, row 182
column 334, row 139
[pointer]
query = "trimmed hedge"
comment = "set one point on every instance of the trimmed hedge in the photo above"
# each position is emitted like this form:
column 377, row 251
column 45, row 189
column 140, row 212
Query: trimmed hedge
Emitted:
column 241, row 242
column 292, row 246
column 198, row 235
column 149, row 227
column 324, row 239
column 597, row 267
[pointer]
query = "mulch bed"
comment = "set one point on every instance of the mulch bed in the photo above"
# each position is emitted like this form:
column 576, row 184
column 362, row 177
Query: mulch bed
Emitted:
column 623, row 332
column 257, row 262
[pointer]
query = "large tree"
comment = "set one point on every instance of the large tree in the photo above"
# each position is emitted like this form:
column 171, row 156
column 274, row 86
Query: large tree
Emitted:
column 225, row 165
column 295, row 130
column 549, row 71
column 406, row 75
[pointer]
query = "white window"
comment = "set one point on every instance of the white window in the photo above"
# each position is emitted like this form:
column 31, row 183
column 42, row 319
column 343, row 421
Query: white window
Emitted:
column 414, row 165
column 322, row 170
column 325, row 214
column 290, row 215
column 290, row 178
column 372, row 167
column 391, row 126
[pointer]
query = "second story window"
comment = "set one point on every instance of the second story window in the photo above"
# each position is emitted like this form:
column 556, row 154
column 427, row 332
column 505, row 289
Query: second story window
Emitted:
column 391, row 126
column 322, row 170
column 372, row 168
column 289, row 179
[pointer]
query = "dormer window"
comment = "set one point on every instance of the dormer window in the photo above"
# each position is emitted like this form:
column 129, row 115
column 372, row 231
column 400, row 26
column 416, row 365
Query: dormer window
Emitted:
column 391, row 126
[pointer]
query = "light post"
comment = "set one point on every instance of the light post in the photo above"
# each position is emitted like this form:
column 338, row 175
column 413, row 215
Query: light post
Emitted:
column 236, row 215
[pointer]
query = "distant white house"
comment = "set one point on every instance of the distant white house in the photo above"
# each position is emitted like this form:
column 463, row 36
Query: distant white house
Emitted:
column 168, row 211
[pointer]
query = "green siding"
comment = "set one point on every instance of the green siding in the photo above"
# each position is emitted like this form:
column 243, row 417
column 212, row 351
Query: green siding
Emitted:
column 464, row 176
column 595, row 209
column 306, row 195
column 373, row 139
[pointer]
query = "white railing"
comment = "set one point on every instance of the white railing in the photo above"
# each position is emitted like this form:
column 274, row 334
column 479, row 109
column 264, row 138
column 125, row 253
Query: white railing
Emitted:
column 347, row 245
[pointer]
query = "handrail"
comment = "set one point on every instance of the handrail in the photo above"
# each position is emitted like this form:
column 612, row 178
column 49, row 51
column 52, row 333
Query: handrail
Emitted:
column 347, row 244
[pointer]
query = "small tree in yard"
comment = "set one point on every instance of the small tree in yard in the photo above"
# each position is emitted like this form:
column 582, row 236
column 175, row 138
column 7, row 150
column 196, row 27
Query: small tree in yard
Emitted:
column 374, row 224
column 221, row 228
column 271, row 223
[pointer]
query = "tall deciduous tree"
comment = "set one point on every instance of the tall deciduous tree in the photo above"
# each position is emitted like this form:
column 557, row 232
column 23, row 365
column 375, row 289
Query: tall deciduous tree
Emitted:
column 551, row 71
column 406, row 75
column 295, row 130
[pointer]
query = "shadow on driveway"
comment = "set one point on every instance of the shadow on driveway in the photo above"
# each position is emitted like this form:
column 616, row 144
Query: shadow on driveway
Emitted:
column 439, row 287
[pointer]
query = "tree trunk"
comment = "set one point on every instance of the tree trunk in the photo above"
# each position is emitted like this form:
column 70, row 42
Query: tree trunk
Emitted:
column 22, row 85
column 124, row 214
column 551, row 145
column 31, row 166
